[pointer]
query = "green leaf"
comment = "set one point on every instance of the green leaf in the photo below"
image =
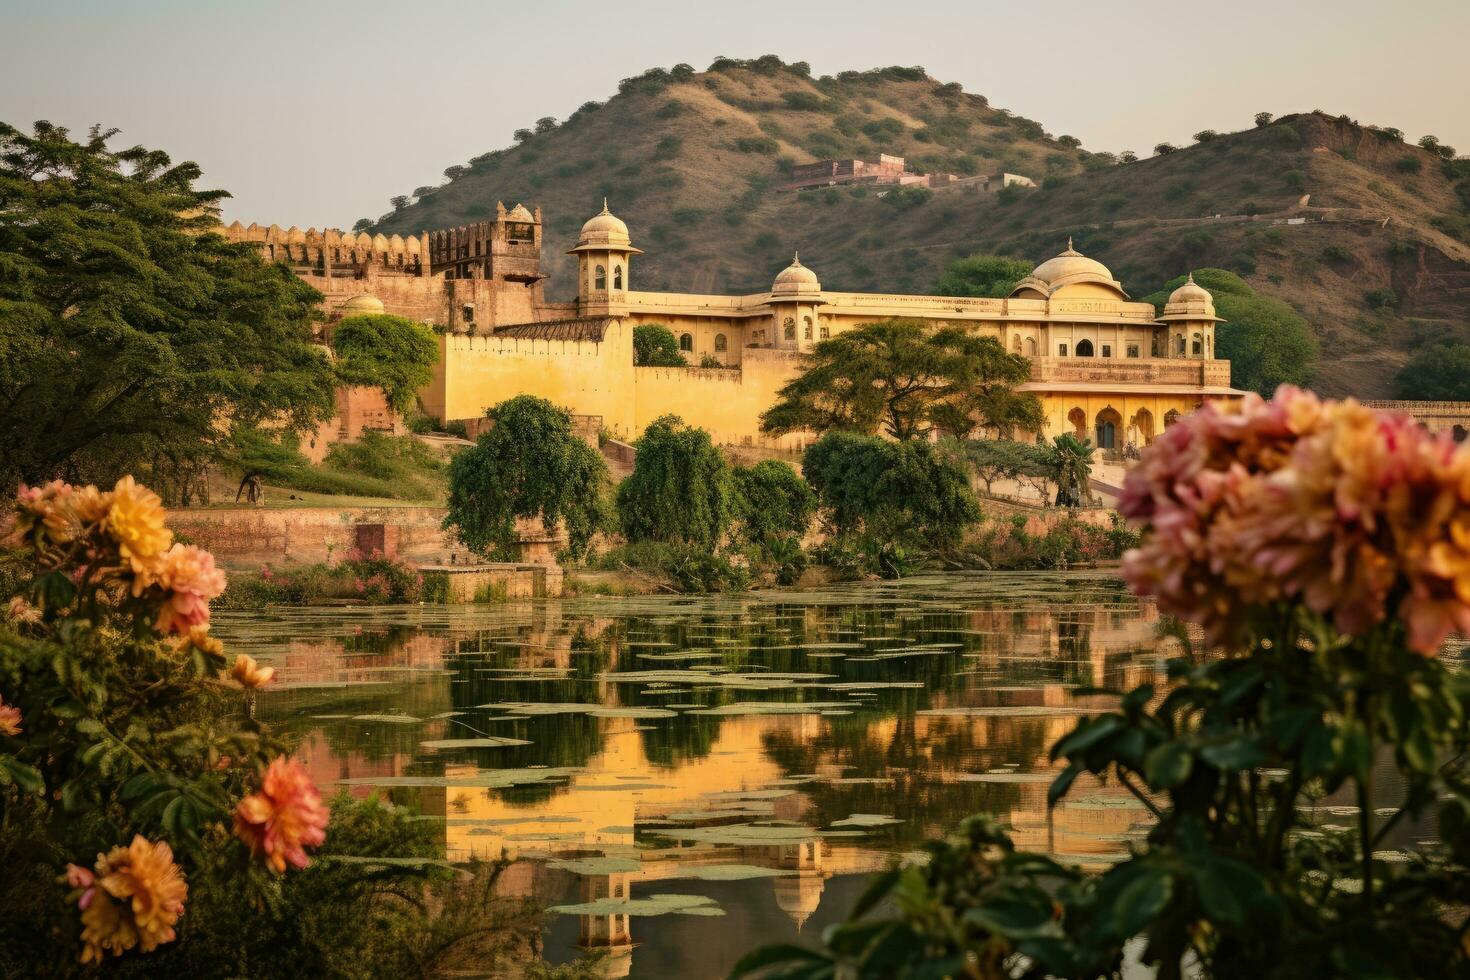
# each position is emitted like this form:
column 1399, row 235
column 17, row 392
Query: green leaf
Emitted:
column 25, row 777
column 1234, row 754
column 771, row 956
column 877, row 890
column 1088, row 733
column 1168, row 765
column 1062, row 783
column 1141, row 902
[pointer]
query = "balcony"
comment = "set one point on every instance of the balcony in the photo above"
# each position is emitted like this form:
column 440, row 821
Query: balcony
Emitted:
column 1191, row 372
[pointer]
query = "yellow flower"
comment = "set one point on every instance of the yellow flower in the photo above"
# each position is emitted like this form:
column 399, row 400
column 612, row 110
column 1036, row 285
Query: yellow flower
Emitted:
column 140, row 896
column 9, row 719
column 249, row 673
column 135, row 521
column 199, row 639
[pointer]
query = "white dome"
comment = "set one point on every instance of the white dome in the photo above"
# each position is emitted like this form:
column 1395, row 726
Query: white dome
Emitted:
column 1191, row 292
column 604, row 232
column 795, row 279
column 363, row 304
column 1071, row 265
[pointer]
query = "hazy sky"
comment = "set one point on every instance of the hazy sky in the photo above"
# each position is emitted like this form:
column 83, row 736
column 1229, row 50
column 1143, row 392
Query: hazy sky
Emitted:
column 316, row 112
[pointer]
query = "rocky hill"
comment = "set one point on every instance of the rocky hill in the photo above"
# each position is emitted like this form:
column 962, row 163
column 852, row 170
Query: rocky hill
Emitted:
column 1349, row 224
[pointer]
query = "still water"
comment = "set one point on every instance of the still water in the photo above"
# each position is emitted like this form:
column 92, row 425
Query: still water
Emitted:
column 681, row 779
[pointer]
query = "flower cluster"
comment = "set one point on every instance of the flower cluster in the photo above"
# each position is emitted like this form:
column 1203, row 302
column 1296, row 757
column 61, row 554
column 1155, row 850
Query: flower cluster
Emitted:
column 284, row 817
column 9, row 718
column 133, row 898
column 118, row 540
column 250, row 674
column 1361, row 516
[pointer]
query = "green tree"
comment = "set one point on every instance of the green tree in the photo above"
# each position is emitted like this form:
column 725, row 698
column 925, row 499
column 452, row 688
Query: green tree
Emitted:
column 1006, row 459
column 907, row 379
column 388, row 352
column 773, row 500
column 892, row 492
column 1440, row 373
column 654, row 345
column 130, row 329
column 991, row 276
column 1072, row 466
column 681, row 489
column 1266, row 341
column 530, row 464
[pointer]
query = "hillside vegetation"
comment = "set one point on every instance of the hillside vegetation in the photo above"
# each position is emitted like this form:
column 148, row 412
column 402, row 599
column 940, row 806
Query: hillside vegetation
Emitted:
column 692, row 161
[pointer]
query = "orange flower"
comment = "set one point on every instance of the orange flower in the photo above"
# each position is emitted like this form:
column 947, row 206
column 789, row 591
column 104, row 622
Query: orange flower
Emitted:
column 21, row 612
column 135, row 521
column 138, row 896
column 9, row 718
column 188, row 575
column 249, row 673
column 285, row 817
column 198, row 637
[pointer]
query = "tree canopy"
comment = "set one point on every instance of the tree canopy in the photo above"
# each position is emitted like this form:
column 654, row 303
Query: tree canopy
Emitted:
column 902, row 377
column 992, row 276
column 530, row 464
column 892, row 491
column 680, row 490
column 388, row 352
column 130, row 329
column 654, row 345
column 1437, row 373
column 1266, row 341
column 773, row 500
column 997, row 459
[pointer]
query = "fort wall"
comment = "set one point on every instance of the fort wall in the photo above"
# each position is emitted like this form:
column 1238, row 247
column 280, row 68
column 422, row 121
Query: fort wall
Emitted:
column 245, row 537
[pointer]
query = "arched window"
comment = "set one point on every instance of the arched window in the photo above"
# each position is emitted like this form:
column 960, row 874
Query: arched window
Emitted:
column 1084, row 348
column 1179, row 344
column 806, row 328
column 1016, row 343
column 617, row 277
column 1078, row 420
column 720, row 343
column 788, row 328
column 1171, row 417
column 823, row 333
column 1031, row 346
column 599, row 278
column 686, row 342
column 1199, row 347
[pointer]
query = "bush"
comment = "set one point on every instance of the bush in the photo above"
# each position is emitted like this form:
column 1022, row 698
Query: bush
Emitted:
column 757, row 144
column 376, row 465
column 909, row 493
column 1381, row 300
column 1408, row 165
column 392, row 353
column 1438, row 373
column 654, row 345
column 684, row 567
column 1006, row 545
column 773, row 500
column 680, row 490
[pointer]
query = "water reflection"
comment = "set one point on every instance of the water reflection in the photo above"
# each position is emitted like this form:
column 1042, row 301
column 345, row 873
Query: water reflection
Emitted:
column 652, row 763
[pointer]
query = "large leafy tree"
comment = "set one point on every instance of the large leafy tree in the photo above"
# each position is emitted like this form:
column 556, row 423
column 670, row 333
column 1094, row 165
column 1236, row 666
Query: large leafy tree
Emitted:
column 911, row 491
column 388, row 352
column 1266, row 341
column 774, row 500
column 1437, row 373
column 1005, row 459
column 654, row 345
column 992, row 276
column 681, row 489
column 128, row 330
column 530, row 464
column 906, row 379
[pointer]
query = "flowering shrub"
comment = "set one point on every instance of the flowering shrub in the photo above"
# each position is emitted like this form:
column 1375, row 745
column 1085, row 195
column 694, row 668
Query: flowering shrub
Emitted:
column 114, row 725
column 373, row 578
column 1324, row 548
column 1007, row 545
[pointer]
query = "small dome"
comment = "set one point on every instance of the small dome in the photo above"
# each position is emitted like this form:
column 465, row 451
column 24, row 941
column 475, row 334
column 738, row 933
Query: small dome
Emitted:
column 795, row 279
column 1071, row 265
column 364, row 304
column 1191, row 292
column 605, row 227
column 519, row 213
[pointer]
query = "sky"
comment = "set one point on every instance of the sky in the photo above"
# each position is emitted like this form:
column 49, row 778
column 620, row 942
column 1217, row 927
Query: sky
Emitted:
column 316, row 113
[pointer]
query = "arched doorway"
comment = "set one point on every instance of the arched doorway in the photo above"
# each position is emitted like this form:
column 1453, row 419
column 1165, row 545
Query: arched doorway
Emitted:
column 1459, row 433
column 1078, row 420
column 1171, row 417
column 1084, row 348
column 1108, row 424
column 1142, row 426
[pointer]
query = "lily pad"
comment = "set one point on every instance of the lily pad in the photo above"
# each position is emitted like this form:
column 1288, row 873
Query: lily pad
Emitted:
column 486, row 742
column 652, row 905
column 866, row 820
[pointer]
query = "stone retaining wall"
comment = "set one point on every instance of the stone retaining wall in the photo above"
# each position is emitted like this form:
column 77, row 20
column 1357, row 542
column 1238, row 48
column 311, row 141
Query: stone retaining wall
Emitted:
column 241, row 537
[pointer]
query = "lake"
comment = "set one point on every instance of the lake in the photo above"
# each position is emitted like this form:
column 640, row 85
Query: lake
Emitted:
column 681, row 779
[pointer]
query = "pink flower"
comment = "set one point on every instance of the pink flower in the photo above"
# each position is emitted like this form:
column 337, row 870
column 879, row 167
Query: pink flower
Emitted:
column 1361, row 517
column 80, row 877
column 190, row 579
column 284, row 817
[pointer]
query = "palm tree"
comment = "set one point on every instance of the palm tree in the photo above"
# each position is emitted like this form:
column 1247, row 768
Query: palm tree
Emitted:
column 1073, row 460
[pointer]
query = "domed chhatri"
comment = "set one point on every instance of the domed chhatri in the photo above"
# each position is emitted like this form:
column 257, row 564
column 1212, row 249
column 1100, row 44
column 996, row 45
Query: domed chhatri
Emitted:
column 1190, row 301
column 363, row 304
column 796, row 279
column 1071, row 266
column 605, row 230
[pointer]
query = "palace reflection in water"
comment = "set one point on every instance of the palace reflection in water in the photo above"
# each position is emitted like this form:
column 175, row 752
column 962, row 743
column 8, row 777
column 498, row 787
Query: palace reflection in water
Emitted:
column 689, row 777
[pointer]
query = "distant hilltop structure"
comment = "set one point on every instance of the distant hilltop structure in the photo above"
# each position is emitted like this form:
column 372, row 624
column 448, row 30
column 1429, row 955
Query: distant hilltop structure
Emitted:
column 890, row 171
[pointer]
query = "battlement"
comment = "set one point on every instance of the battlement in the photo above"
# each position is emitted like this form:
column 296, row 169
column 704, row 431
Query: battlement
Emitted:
column 509, row 247
column 331, row 252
